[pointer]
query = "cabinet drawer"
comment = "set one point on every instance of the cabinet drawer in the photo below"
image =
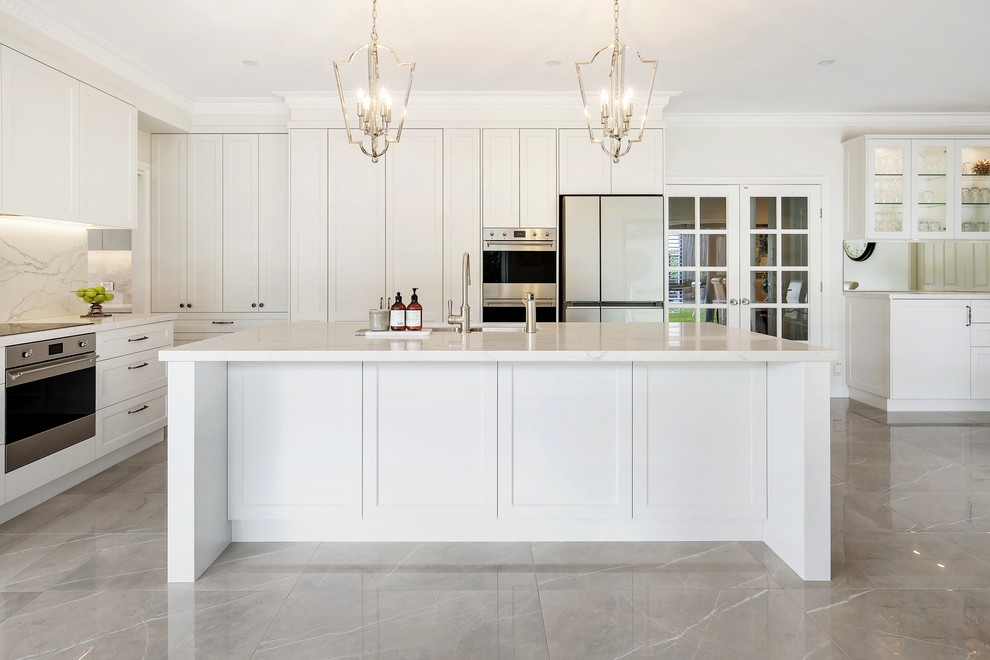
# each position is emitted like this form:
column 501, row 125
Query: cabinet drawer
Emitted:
column 979, row 334
column 214, row 326
column 128, row 376
column 130, row 420
column 981, row 311
column 124, row 341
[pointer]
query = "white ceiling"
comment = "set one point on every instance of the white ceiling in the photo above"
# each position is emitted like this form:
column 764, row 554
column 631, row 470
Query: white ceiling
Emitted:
column 724, row 56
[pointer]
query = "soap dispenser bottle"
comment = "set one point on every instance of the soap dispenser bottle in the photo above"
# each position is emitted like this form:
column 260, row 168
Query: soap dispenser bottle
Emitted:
column 414, row 313
column 397, row 317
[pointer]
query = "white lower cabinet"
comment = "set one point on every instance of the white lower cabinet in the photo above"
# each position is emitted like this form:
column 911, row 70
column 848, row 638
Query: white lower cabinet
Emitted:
column 564, row 452
column 122, row 423
column 294, row 445
column 412, row 468
column 127, row 376
column 669, row 444
column 929, row 349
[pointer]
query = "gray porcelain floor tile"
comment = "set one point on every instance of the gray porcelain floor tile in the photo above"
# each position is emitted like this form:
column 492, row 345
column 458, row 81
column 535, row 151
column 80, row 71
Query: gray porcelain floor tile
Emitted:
column 385, row 557
column 86, row 514
column 38, row 562
column 227, row 625
column 264, row 558
column 153, row 455
column 10, row 603
column 134, row 562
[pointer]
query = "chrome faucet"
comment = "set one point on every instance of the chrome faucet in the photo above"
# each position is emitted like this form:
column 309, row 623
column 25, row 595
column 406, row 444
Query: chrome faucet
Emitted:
column 530, row 302
column 463, row 322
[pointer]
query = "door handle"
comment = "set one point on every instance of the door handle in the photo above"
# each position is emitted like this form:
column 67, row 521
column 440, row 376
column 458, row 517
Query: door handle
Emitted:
column 137, row 410
column 138, row 366
column 138, row 338
column 745, row 301
column 969, row 316
column 733, row 302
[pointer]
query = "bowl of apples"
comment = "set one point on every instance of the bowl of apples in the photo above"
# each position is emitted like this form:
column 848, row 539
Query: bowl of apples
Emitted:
column 94, row 296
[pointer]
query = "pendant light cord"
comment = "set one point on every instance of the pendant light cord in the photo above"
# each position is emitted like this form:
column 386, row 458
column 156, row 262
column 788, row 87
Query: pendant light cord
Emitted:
column 374, row 20
column 615, row 12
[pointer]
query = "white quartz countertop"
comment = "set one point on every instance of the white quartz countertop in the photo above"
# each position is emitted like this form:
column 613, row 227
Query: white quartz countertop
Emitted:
column 91, row 325
column 568, row 342
column 941, row 295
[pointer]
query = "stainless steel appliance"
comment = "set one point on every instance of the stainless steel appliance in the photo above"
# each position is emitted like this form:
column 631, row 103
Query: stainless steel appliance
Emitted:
column 50, row 397
column 612, row 258
column 517, row 261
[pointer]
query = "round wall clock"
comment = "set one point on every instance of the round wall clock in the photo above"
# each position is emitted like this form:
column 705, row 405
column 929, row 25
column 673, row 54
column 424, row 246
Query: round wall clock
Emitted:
column 858, row 250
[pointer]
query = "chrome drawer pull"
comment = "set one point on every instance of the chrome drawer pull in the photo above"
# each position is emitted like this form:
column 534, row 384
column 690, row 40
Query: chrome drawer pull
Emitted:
column 223, row 323
column 137, row 410
column 138, row 338
column 138, row 366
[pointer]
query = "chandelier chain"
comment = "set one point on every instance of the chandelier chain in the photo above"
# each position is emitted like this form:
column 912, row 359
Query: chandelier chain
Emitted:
column 615, row 12
column 374, row 20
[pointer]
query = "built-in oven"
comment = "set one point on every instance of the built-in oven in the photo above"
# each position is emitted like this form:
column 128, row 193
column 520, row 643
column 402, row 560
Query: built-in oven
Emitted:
column 50, row 397
column 517, row 261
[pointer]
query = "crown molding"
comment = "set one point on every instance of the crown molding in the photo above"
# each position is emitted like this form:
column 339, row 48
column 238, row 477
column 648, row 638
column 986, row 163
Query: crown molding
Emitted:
column 56, row 26
column 839, row 120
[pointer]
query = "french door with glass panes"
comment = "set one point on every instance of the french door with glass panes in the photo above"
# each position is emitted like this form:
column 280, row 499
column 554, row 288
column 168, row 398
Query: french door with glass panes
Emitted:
column 745, row 256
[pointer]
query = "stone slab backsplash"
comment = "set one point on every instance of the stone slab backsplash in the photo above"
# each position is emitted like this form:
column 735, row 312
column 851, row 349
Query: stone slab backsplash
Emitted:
column 41, row 266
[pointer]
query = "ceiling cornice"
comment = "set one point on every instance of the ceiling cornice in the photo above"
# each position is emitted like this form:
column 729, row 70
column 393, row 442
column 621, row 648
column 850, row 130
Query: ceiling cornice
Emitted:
column 878, row 119
column 55, row 25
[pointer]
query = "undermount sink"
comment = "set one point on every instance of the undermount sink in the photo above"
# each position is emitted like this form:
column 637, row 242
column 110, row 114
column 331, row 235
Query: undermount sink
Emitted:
column 451, row 328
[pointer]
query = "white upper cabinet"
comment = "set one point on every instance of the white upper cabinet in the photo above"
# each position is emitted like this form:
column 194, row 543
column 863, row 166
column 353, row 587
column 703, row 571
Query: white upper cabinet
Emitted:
column 255, row 223
column 186, row 223
column 519, row 177
column 414, row 220
column 356, row 228
column 39, row 111
column 308, row 224
column 587, row 170
column 916, row 187
column 462, row 214
column 69, row 151
column 107, row 159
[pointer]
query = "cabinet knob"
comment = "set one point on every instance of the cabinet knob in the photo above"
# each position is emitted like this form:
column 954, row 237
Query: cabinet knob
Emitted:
column 188, row 305
column 261, row 304
column 254, row 304
column 182, row 305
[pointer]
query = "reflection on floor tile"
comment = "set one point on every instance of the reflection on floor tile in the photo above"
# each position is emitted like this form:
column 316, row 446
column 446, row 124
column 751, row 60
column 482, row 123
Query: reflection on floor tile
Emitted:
column 84, row 574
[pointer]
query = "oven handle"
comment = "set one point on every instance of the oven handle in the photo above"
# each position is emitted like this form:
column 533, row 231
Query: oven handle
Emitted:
column 519, row 246
column 17, row 377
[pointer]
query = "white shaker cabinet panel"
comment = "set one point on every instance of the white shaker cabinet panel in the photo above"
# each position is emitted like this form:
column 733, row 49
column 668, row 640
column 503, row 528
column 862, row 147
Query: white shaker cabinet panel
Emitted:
column 39, row 112
column 107, row 159
column 537, row 177
column 308, row 224
column 929, row 349
column 500, row 177
column 273, row 223
column 240, row 222
column 168, row 222
column 204, row 238
column 289, row 458
column 414, row 472
column 980, row 375
column 462, row 215
column 414, row 220
column 640, row 172
column 565, row 453
column 584, row 169
column 357, row 230
column 670, row 445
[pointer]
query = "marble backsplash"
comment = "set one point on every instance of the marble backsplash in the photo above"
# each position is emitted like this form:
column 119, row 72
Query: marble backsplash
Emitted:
column 41, row 266
column 112, row 266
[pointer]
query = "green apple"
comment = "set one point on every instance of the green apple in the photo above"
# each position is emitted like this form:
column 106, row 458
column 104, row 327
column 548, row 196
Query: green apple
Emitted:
column 109, row 296
column 88, row 299
column 98, row 298
column 80, row 292
column 100, row 289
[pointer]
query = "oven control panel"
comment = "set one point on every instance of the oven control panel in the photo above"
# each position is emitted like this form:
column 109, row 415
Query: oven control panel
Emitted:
column 522, row 234
column 36, row 352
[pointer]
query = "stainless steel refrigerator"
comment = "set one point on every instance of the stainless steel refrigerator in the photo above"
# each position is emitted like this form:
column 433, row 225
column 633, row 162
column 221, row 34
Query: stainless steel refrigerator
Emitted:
column 611, row 258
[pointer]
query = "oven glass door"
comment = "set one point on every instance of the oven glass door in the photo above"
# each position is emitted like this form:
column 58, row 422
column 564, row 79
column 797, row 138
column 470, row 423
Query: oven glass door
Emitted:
column 520, row 267
column 37, row 406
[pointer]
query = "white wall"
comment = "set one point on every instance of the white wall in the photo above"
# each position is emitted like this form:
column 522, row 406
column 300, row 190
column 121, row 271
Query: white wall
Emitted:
column 889, row 268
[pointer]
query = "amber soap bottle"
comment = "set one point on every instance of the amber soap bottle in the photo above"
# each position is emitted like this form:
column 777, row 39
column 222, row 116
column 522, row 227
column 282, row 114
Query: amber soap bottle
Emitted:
column 414, row 313
column 397, row 317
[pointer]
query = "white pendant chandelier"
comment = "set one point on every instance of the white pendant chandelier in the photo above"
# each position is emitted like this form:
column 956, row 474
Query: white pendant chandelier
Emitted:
column 617, row 126
column 374, row 106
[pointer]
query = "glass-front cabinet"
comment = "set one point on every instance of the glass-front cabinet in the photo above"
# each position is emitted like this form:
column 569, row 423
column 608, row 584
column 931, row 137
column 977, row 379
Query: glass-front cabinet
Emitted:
column 973, row 188
column 924, row 187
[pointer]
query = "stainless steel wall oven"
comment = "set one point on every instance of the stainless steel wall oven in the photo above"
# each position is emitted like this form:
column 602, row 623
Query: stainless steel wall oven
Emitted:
column 50, row 396
column 516, row 261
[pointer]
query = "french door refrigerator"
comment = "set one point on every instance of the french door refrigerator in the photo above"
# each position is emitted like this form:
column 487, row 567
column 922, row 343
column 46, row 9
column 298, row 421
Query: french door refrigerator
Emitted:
column 611, row 258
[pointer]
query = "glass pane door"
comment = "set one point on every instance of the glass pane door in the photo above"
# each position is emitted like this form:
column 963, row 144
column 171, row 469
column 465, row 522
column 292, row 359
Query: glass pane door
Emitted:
column 702, row 253
column 974, row 190
column 932, row 185
column 886, row 210
column 780, row 296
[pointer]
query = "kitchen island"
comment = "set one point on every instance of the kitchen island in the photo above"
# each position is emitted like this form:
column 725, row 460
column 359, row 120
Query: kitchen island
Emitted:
column 306, row 432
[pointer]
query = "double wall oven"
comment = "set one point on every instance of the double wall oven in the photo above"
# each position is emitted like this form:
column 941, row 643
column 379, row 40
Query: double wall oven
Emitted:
column 516, row 261
column 50, row 396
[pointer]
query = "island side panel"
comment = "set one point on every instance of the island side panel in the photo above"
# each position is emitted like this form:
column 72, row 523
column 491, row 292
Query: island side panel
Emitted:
column 798, row 525
column 295, row 441
column 565, row 441
column 699, row 442
column 198, row 528
column 430, row 441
